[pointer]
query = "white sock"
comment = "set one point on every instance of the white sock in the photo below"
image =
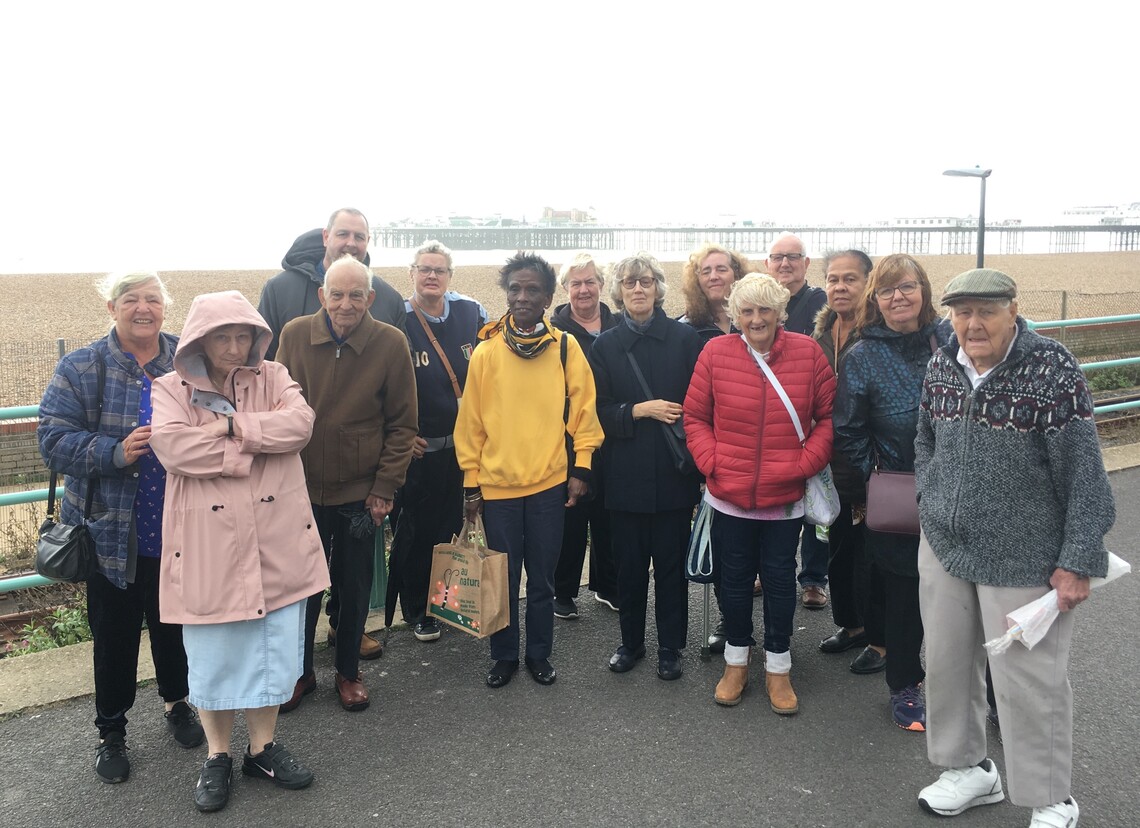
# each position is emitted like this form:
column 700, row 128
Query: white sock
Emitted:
column 776, row 663
column 736, row 656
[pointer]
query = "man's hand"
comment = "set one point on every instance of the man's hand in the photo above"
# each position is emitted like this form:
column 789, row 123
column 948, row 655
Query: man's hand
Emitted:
column 378, row 507
column 1071, row 588
column 575, row 489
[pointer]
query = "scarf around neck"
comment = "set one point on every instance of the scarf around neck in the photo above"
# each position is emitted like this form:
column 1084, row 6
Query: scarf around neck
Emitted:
column 525, row 345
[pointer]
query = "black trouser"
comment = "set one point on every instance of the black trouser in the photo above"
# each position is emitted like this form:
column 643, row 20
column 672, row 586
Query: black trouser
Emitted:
column 897, row 623
column 351, row 568
column 847, row 570
column 662, row 538
column 587, row 522
column 430, row 511
column 116, row 617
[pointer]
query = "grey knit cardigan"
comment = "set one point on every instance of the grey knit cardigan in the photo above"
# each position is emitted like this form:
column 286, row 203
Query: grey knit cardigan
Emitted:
column 1010, row 479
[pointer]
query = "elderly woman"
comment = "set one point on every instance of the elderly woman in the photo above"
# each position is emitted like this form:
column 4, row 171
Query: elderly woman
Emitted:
column 242, row 554
column 743, row 440
column 876, row 413
column 706, row 280
column 528, row 387
column 443, row 328
column 95, row 428
column 845, row 279
column 1013, row 500
column 585, row 317
column 642, row 369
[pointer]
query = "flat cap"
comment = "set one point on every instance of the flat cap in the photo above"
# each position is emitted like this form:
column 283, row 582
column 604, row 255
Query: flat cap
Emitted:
column 980, row 283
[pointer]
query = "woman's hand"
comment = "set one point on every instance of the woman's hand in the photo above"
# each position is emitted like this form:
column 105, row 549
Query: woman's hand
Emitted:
column 663, row 410
column 136, row 444
column 575, row 489
column 419, row 445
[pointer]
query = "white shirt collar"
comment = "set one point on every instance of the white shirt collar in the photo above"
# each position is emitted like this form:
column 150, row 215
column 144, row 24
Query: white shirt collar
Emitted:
column 968, row 364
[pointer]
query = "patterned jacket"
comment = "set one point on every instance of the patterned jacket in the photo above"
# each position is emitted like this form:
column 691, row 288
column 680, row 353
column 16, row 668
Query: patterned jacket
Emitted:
column 1011, row 482
column 79, row 443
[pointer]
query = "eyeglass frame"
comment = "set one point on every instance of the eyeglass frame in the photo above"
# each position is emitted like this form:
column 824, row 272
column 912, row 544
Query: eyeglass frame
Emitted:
column 424, row 270
column 630, row 282
column 905, row 288
column 780, row 258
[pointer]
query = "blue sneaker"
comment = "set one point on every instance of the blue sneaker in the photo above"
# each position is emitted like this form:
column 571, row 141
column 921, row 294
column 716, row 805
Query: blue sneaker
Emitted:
column 908, row 708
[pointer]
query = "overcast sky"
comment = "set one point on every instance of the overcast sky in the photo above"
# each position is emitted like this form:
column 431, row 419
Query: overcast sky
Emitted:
column 211, row 134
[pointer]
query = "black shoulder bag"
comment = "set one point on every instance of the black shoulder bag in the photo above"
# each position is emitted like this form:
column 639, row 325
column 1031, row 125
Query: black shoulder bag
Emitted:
column 674, row 432
column 63, row 552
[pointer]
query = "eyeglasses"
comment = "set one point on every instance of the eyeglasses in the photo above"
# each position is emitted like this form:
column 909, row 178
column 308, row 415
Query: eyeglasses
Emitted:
column 781, row 257
column 645, row 281
column 905, row 288
column 428, row 271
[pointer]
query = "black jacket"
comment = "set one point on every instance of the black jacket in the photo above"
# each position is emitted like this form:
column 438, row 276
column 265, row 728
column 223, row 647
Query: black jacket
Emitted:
column 638, row 468
column 562, row 320
column 849, row 481
column 293, row 291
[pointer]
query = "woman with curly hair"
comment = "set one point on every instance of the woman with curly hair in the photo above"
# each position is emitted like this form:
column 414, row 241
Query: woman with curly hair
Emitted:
column 707, row 279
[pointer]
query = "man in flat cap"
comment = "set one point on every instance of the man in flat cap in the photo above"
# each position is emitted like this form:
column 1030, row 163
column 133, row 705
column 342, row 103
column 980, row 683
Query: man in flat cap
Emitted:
column 1014, row 501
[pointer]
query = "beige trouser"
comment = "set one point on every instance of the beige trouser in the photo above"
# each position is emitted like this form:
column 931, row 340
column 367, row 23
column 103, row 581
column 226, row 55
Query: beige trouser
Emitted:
column 1034, row 699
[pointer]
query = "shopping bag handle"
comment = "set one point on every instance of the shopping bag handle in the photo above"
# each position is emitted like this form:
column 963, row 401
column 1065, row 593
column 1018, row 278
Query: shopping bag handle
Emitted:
column 473, row 536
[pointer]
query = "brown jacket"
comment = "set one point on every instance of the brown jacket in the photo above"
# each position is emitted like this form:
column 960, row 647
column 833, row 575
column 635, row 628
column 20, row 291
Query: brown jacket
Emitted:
column 364, row 396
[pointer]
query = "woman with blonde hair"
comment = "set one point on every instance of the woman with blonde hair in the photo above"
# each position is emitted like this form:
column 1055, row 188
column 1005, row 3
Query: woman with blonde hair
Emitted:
column 706, row 280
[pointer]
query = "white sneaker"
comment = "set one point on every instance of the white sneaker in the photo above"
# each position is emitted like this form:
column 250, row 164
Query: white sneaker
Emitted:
column 959, row 789
column 1062, row 815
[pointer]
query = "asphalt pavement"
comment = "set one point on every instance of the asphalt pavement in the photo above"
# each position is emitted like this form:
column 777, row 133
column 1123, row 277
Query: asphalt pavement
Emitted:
column 596, row 748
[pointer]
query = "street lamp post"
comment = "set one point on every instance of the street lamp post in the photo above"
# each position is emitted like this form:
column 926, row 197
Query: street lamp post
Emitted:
column 977, row 172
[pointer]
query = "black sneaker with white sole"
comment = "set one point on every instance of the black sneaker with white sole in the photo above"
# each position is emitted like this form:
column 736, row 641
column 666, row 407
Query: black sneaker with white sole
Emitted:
column 213, row 789
column 277, row 765
column 565, row 608
column 183, row 723
column 111, row 762
column 426, row 630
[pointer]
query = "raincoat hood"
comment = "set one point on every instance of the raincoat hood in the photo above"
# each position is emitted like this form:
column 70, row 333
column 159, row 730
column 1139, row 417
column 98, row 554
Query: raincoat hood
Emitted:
column 209, row 312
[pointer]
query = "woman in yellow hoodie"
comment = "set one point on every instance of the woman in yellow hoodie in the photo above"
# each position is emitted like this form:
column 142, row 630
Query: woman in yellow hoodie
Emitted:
column 529, row 396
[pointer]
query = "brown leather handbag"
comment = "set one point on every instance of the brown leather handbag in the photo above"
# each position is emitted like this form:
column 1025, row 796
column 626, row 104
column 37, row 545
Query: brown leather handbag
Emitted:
column 892, row 504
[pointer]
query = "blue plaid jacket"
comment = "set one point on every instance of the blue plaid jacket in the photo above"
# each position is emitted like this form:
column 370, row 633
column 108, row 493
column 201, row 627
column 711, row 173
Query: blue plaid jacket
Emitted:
column 77, row 442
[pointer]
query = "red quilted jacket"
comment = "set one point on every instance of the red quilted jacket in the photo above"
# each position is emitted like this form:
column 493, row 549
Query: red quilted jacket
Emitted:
column 738, row 429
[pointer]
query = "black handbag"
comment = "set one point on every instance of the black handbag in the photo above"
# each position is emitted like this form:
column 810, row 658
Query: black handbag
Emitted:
column 674, row 432
column 65, row 552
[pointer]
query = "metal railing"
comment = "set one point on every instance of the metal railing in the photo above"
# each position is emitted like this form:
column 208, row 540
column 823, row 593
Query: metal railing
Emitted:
column 7, row 584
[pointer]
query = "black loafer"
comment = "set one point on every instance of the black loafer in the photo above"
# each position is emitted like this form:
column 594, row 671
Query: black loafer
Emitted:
column 869, row 661
column 541, row 670
column 842, row 640
column 623, row 660
column 668, row 665
column 501, row 673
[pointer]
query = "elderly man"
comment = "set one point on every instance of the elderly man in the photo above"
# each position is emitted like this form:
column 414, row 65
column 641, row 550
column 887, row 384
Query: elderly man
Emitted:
column 293, row 291
column 356, row 373
column 787, row 263
column 1014, row 500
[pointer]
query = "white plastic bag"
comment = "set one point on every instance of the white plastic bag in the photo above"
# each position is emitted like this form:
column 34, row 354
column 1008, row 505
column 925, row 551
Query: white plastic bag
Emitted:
column 1030, row 623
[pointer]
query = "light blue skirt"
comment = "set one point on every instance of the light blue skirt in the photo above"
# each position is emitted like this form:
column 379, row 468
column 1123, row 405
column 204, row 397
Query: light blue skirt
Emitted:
column 246, row 664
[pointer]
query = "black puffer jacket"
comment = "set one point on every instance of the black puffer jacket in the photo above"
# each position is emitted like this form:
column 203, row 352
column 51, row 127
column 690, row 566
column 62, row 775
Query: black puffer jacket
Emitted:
column 293, row 291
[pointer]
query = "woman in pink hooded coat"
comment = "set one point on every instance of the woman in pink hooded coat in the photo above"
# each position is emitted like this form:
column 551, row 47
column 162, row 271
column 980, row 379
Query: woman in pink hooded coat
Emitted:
column 241, row 554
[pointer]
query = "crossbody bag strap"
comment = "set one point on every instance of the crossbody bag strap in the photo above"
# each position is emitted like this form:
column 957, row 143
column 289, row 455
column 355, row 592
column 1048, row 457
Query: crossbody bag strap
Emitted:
column 565, row 380
column 438, row 348
column 780, row 390
column 640, row 377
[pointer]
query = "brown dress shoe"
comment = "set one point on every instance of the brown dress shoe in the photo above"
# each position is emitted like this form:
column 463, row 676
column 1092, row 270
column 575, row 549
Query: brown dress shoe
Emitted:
column 370, row 648
column 814, row 597
column 353, row 694
column 306, row 684
column 780, row 694
column 731, row 685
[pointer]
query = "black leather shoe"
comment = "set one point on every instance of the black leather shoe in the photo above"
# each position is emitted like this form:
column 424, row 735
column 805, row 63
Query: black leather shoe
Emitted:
column 668, row 665
column 623, row 660
column 501, row 673
column 842, row 640
column 213, row 789
column 869, row 661
column 541, row 670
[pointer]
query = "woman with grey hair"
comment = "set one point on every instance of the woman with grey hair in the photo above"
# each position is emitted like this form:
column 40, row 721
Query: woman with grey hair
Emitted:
column 95, row 429
column 734, row 419
column 641, row 371
column 587, row 523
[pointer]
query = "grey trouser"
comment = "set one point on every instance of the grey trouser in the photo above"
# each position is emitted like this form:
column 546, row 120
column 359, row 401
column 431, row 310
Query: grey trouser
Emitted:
column 1034, row 699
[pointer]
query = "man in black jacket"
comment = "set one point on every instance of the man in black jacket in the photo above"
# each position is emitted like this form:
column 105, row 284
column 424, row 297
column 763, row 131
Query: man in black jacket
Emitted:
column 293, row 291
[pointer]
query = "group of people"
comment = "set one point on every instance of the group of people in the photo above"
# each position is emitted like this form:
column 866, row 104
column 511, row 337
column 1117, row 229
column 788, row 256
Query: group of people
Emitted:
column 242, row 469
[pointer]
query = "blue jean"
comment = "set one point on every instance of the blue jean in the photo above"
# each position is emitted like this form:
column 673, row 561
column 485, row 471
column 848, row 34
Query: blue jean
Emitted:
column 529, row 530
column 813, row 559
column 744, row 547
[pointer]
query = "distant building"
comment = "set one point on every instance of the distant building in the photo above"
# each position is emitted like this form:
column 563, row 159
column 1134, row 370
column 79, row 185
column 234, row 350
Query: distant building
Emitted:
column 564, row 218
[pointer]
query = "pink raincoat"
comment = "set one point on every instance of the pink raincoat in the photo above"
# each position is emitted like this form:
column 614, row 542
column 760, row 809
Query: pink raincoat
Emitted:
column 239, row 539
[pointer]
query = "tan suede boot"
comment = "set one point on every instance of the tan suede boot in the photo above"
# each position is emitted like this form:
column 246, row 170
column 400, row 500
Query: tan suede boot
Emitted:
column 780, row 693
column 731, row 685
